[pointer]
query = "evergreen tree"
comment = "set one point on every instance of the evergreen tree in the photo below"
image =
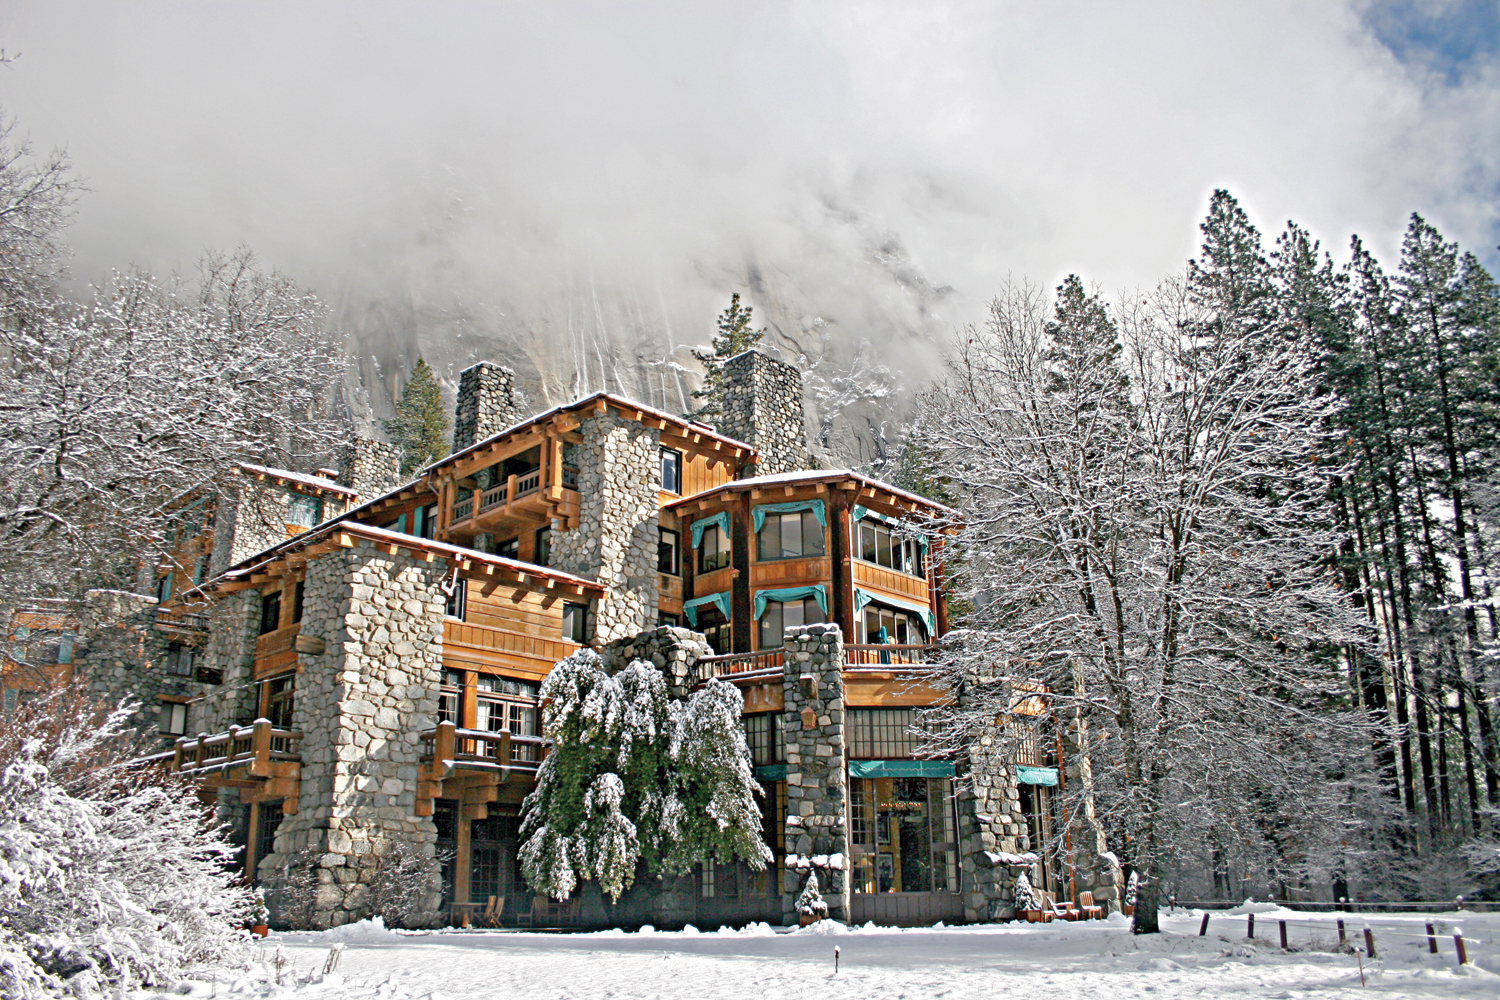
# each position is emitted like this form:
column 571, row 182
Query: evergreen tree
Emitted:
column 420, row 428
column 735, row 336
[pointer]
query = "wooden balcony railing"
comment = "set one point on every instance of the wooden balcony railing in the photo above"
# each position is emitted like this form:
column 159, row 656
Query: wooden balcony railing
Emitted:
column 500, row 495
column 255, row 746
column 448, row 747
column 741, row 663
column 463, row 510
column 885, row 655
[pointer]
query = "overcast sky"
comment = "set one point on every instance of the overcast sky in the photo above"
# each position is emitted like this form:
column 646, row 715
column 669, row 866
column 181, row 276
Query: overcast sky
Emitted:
column 518, row 172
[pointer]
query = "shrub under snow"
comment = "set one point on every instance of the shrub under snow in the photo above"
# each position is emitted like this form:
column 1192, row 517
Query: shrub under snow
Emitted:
column 110, row 876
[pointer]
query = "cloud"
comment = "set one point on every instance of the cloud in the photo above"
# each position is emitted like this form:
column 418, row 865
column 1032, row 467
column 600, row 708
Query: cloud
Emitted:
column 575, row 189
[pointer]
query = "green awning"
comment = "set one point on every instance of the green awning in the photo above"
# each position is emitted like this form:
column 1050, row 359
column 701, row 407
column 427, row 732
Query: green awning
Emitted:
column 790, row 507
column 863, row 597
column 690, row 608
column 784, row 594
column 901, row 769
column 770, row 772
column 699, row 527
column 1036, row 775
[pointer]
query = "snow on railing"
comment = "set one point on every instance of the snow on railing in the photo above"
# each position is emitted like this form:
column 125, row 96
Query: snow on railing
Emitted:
column 239, row 745
column 885, row 654
column 741, row 663
column 481, row 748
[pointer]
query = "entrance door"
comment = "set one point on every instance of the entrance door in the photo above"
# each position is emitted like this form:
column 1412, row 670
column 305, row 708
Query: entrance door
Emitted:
column 494, row 869
column 904, row 851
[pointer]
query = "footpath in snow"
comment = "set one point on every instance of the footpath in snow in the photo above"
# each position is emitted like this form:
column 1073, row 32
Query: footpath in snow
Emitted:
column 1035, row 961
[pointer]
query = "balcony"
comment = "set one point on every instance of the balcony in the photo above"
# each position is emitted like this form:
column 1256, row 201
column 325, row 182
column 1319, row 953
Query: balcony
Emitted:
column 260, row 760
column 880, row 656
column 470, row 765
column 762, row 663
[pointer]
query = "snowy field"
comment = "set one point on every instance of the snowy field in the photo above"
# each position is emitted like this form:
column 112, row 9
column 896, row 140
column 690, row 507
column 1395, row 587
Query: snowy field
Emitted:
column 1061, row 960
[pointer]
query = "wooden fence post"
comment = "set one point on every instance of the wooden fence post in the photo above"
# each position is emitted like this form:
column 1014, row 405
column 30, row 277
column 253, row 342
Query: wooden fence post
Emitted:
column 1431, row 940
column 1370, row 943
column 1458, row 944
column 1250, row 927
column 1342, row 940
column 1203, row 927
column 1283, row 934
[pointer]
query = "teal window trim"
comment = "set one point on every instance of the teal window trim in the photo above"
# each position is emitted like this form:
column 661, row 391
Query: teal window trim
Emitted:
column 700, row 526
column 901, row 769
column 770, row 772
column 784, row 594
column 1028, row 775
column 721, row 599
column 860, row 513
column 863, row 597
column 760, row 511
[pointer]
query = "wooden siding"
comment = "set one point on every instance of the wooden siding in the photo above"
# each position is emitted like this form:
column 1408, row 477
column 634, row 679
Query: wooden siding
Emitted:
column 699, row 471
column 468, row 646
column 713, row 583
column 791, row 572
column 887, row 689
column 496, row 604
column 273, row 651
column 879, row 579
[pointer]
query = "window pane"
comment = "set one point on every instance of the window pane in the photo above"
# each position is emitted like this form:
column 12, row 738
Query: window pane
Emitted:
column 671, row 470
column 543, row 550
column 812, row 534
column 883, row 545
column 867, row 541
column 770, row 539
column 791, row 535
column 771, row 624
column 666, row 551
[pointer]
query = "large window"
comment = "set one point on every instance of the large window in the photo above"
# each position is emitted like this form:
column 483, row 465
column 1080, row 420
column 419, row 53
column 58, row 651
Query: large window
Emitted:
column 457, row 602
column 788, row 536
column 715, row 628
column 901, row 628
column 763, row 735
column 281, row 693
column 902, row 835
column 270, row 612
column 575, row 622
column 510, row 706
column 304, row 511
column 781, row 615
column 450, row 697
column 180, row 660
column 668, row 549
column 172, row 718
column 880, row 545
column 671, row 470
column 164, row 589
column 542, row 550
column 713, row 551
column 881, row 733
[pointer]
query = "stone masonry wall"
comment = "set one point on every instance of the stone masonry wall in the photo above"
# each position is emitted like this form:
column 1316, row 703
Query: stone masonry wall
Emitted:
column 990, row 828
column 361, row 706
column 813, row 730
column 487, row 403
column 249, row 520
column 234, row 622
column 370, row 468
column 763, row 407
column 675, row 651
column 619, row 469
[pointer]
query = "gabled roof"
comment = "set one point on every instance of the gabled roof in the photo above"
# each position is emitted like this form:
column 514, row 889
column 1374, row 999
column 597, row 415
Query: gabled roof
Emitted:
column 830, row 476
column 592, row 401
column 288, row 478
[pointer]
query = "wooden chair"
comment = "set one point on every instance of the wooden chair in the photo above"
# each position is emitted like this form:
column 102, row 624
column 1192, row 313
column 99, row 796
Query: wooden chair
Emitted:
column 1087, row 906
column 492, row 912
column 1066, row 910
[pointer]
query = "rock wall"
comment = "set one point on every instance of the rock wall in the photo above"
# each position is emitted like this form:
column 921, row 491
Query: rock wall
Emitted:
column 991, row 828
column 370, row 468
column 674, row 651
column 814, row 734
column 488, row 403
column 234, row 623
column 763, row 407
column 361, row 706
column 250, row 518
column 619, row 470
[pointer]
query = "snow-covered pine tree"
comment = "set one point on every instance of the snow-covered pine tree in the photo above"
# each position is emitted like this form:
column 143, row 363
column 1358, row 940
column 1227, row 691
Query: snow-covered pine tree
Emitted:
column 634, row 777
column 420, row 427
column 1025, row 894
column 810, row 902
column 1142, row 529
column 112, row 876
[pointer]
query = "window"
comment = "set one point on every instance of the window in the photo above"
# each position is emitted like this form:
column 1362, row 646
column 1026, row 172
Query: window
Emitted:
column 902, row 835
column 880, row 545
column 575, row 622
column 542, row 554
column 509, row 549
column 164, row 588
column 173, row 718
column 200, row 571
column 881, row 733
column 707, row 881
column 180, row 660
column 426, row 520
column 715, row 628
column 297, row 592
column 668, row 548
column 457, row 601
column 450, row 697
column 671, row 470
column 788, row 536
column 713, row 551
column 900, row 628
column 784, row 615
column 668, row 619
column 510, row 706
column 270, row 612
column 280, row 693
column 763, row 735
column 304, row 511
column 269, row 817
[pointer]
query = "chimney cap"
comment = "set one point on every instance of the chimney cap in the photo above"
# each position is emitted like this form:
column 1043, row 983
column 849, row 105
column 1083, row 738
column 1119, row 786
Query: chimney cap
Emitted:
column 327, row 473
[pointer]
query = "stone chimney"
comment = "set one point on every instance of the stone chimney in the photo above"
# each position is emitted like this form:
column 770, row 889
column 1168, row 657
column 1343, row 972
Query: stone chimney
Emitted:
column 370, row 468
column 487, row 403
column 763, row 407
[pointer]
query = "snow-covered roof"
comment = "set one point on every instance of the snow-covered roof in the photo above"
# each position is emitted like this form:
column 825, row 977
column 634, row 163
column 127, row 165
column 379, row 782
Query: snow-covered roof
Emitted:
column 812, row 476
column 694, row 426
column 298, row 478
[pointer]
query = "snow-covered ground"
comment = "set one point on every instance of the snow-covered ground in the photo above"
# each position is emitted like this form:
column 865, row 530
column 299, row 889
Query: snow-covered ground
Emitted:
column 1038, row 962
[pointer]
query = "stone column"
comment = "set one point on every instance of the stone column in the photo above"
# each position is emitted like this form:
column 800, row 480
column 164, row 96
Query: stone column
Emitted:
column 990, row 828
column 360, row 706
column 619, row 469
column 674, row 651
column 234, row 623
column 762, row 406
column 370, row 468
column 817, row 806
column 487, row 404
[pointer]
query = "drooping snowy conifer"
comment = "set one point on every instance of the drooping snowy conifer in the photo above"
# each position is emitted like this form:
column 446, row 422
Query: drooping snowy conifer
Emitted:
column 635, row 777
column 1025, row 895
column 811, row 902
